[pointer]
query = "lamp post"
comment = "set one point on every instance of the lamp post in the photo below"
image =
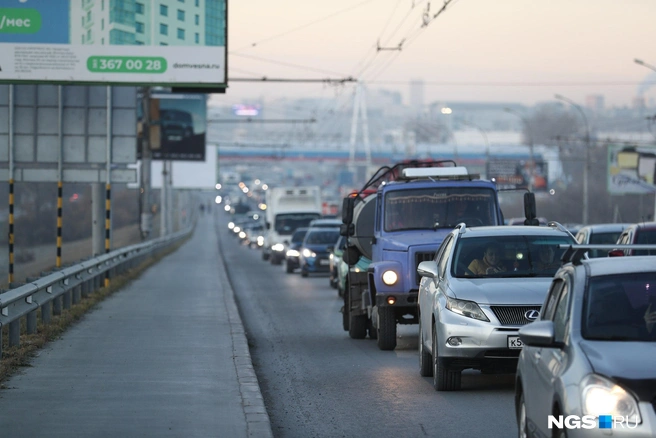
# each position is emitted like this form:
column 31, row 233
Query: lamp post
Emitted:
column 586, row 167
column 653, row 68
column 530, row 144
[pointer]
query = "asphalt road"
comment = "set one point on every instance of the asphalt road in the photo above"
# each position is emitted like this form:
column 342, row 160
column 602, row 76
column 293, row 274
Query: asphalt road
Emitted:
column 317, row 382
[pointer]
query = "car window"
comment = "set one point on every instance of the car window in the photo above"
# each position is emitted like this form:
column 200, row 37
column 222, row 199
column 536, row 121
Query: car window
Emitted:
column 322, row 237
column 561, row 314
column 444, row 258
column 620, row 307
column 598, row 238
column 552, row 299
column 645, row 237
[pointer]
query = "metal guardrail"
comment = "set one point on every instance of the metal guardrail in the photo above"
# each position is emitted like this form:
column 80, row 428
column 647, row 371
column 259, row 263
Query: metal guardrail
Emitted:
column 66, row 286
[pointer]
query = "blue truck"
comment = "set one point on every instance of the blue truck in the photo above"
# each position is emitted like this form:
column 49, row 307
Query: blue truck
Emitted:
column 396, row 221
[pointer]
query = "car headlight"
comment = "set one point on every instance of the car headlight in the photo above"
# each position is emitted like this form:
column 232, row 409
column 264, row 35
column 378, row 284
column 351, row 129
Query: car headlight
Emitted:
column 330, row 257
column 309, row 254
column 260, row 240
column 600, row 396
column 465, row 308
column 278, row 247
column 293, row 253
column 390, row 277
column 231, row 225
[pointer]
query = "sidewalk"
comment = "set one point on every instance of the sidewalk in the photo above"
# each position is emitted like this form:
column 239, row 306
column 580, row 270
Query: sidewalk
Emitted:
column 165, row 357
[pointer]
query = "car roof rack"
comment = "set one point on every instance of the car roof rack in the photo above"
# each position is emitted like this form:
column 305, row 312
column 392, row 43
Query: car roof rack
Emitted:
column 574, row 253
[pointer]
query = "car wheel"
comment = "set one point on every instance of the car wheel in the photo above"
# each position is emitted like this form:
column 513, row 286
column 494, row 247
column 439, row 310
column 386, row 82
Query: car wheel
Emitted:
column 425, row 358
column 386, row 328
column 289, row 268
column 521, row 418
column 444, row 379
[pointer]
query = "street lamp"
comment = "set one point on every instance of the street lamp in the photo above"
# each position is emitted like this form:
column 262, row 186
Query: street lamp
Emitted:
column 586, row 167
column 530, row 144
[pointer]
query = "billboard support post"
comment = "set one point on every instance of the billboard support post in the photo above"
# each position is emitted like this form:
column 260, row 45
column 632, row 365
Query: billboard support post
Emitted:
column 146, row 218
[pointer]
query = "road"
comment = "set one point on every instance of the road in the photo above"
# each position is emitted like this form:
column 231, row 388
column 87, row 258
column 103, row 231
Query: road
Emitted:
column 317, row 382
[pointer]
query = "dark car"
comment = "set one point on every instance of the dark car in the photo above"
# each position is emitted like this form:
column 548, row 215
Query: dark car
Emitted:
column 314, row 253
column 600, row 234
column 642, row 233
column 293, row 254
column 176, row 125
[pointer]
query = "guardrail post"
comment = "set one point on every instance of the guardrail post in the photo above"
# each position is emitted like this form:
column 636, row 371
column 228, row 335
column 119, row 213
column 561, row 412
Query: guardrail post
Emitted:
column 77, row 294
column 46, row 312
column 66, row 299
column 14, row 326
column 85, row 288
column 31, row 317
column 57, row 306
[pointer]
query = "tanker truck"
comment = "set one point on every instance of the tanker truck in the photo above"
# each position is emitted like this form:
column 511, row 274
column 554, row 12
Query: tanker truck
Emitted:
column 397, row 220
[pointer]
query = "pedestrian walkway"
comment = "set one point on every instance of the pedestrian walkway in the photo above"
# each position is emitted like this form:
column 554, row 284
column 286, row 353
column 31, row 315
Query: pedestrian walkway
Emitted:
column 166, row 356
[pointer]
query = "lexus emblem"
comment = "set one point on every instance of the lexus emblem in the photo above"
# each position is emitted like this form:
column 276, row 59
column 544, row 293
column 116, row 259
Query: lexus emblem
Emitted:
column 532, row 315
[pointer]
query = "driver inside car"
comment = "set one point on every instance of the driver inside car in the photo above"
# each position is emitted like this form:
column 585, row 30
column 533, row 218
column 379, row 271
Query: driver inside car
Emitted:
column 489, row 264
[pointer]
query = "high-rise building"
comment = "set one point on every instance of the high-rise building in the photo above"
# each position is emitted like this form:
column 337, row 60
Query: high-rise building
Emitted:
column 148, row 22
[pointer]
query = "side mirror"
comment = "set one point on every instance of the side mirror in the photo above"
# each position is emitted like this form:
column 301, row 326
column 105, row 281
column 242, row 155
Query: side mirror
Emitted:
column 347, row 210
column 616, row 253
column 530, row 210
column 427, row 269
column 538, row 334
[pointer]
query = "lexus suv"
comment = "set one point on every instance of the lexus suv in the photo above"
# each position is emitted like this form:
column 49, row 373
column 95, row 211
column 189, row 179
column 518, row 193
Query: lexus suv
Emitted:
column 482, row 286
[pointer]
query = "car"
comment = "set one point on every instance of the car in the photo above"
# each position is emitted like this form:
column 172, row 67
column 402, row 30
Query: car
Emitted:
column 589, row 358
column 520, row 221
column 469, row 317
column 292, row 255
column 175, row 124
column 600, row 234
column 325, row 223
column 314, row 255
column 636, row 234
column 336, row 263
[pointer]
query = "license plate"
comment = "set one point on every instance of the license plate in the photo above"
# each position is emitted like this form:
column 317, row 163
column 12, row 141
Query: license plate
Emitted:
column 514, row 343
column 324, row 262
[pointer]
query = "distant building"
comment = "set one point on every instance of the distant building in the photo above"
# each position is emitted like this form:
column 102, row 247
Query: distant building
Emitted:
column 162, row 23
column 595, row 102
column 417, row 96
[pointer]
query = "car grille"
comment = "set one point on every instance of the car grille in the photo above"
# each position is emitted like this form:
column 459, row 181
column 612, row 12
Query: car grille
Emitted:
column 421, row 257
column 513, row 315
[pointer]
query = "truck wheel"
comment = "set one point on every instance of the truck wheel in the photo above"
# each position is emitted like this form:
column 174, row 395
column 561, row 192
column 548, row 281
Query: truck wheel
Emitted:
column 386, row 328
column 425, row 358
column 444, row 379
column 345, row 312
column 358, row 326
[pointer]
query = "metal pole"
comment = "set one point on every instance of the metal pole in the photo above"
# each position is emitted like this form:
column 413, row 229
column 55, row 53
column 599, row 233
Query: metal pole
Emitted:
column 108, row 180
column 60, row 173
column 11, row 185
column 146, row 217
column 586, row 167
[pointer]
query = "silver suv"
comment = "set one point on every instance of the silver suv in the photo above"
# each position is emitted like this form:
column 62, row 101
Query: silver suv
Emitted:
column 588, row 363
column 483, row 284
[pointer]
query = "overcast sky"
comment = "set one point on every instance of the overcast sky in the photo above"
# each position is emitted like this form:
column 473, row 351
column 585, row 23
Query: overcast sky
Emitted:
column 476, row 50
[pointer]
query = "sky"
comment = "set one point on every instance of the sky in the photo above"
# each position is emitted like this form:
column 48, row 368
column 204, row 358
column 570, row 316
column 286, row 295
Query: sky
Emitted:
column 521, row 51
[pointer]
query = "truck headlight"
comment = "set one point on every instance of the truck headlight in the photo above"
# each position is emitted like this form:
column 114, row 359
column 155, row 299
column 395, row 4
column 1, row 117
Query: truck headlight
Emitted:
column 600, row 396
column 278, row 247
column 309, row 254
column 390, row 277
column 465, row 308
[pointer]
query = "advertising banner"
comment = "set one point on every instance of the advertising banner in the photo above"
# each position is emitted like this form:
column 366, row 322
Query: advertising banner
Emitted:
column 631, row 169
column 182, row 125
column 114, row 42
column 509, row 173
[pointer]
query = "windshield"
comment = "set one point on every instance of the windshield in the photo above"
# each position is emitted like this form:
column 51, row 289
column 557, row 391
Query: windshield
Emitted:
column 620, row 307
column 602, row 239
column 445, row 207
column 508, row 256
column 287, row 223
column 323, row 237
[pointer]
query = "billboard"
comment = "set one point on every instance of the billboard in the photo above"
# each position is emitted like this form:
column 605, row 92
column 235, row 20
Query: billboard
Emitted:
column 182, row 125
column 631, row 169
column 509, row 173
column 114, row 42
